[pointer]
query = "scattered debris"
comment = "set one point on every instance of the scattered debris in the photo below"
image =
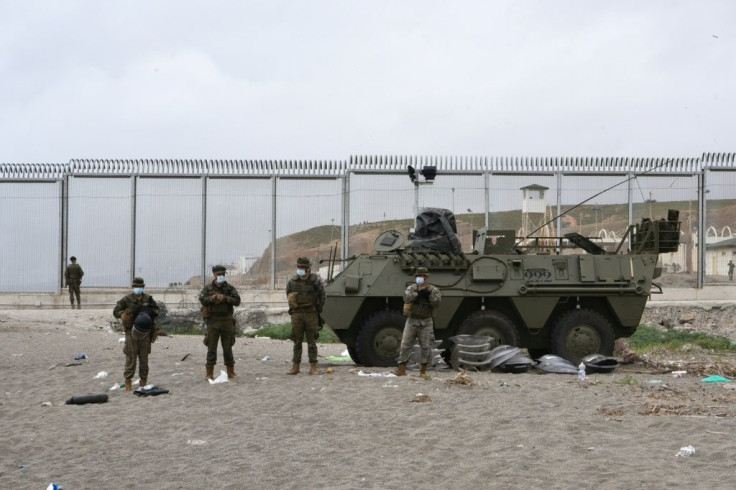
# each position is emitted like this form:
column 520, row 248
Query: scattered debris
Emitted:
column 461, row 378
column 376, row 375
column 685, row 452
column 421, row 398
column 185, row 357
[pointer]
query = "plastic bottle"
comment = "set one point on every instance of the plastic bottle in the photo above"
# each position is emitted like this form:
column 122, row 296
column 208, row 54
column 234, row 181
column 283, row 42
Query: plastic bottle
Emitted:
column 581, row 371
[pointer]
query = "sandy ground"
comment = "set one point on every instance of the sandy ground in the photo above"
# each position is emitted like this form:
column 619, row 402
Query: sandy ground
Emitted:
column 340, row 430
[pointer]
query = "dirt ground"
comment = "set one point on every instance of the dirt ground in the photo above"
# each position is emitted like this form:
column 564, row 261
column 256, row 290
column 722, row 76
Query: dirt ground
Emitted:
column 341, row 429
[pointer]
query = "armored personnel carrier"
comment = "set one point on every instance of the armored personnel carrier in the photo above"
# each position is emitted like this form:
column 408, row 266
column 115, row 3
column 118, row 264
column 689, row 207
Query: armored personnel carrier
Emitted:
column 572, row 298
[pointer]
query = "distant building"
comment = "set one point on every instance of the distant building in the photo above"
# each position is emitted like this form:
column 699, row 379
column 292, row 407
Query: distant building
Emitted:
column 244, row 263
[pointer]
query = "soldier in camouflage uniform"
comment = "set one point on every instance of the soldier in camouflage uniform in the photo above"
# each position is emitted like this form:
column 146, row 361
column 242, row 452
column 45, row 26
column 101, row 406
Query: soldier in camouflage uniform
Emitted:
column 137, row 310
column 73, row 276
column 219, row 300
column 306, row 295
column 420, row 301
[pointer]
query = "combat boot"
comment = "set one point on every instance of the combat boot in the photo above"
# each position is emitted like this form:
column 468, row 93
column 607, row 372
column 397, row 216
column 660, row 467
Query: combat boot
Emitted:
column 79, row 306
column 401, row 370
column 294, row 368
column 313, row 368
column 422, row 370
column 210, row 371
column 128, row 384
column 144, row 382
column 231, row 372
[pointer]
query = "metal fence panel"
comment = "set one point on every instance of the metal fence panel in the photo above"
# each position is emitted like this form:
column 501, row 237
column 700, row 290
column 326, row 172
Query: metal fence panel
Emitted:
column 308, row 213
column 168, row 239
column 238, row 234
column 99, row 232
column 30, row 242
column 720, row 228
column 379, row 203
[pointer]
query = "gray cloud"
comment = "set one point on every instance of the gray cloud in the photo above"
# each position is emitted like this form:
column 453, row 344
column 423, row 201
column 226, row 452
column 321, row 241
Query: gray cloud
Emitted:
column 325, row 80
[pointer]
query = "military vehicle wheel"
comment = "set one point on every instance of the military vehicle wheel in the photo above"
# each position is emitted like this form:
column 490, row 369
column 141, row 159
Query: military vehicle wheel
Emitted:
column 493, row 324
column 353, row 353
column 582, row 332
column 380, row 338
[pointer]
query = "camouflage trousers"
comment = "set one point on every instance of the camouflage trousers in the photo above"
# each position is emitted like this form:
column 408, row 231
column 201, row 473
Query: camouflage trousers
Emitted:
column 74, row 291
column 423, row 330
column 137, row 347
column 220, row 330
column 304, row 324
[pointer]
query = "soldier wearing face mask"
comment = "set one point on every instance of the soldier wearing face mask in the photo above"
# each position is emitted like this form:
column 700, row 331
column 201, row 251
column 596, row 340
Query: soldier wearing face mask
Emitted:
column 138, row 311
column 219, row 300
column 420, row 301
column 306, row 295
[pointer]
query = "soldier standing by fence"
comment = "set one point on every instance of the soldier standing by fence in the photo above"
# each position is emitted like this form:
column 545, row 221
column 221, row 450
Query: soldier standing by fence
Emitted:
column 420, row 301
column 306, row 295
column 138, row 311
column 219, row 300
column 73, row 276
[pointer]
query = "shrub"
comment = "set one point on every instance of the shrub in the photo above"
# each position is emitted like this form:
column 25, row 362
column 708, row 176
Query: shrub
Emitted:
column 647, row 338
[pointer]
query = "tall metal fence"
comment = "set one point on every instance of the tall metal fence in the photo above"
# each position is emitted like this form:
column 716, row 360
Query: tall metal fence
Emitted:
column 170, row 221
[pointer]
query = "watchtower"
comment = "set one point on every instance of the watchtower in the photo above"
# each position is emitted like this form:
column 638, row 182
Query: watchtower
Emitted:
column 535, row 213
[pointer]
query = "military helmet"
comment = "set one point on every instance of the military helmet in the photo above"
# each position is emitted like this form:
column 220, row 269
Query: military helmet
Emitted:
column 219, row 269
column 421, row 271
column 138, row 282
column 303, row 262
column 72, row 258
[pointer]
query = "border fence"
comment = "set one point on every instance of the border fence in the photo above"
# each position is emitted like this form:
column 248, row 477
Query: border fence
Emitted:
column 170, row 221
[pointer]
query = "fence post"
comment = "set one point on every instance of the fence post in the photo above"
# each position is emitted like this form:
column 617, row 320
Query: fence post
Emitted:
column 133, row 199
column 700, row 277
column 273, row 232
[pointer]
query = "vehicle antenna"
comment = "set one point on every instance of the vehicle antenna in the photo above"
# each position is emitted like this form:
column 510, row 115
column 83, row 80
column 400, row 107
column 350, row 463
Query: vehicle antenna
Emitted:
column 590, row 198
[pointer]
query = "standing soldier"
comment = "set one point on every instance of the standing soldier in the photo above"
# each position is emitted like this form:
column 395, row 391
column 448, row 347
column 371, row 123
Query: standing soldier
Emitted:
column 306, row 295
column 731, row 267
column 73, row 276
column 138, row 311
column 420, row 301
column 218, row 300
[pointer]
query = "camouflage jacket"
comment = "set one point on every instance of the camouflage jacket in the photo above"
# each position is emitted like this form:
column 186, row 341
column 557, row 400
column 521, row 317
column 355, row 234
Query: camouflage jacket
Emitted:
column 422, row 306
column 306, row 294
column 73, row 274
column 215, row 308
column 129, row 305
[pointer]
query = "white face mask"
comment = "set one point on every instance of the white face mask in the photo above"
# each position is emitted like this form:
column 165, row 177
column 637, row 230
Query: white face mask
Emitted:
column 420, row 280
column 137, row 290
column 220, row 279
column 301, row 272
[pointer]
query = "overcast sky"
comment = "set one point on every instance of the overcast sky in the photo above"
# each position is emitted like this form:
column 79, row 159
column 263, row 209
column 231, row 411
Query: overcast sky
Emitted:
column 330, row 79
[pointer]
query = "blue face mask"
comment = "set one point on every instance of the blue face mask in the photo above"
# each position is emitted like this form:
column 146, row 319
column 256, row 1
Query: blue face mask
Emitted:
column 301, row 272
column 137, row 290
column 420, row 280
column 220, row 279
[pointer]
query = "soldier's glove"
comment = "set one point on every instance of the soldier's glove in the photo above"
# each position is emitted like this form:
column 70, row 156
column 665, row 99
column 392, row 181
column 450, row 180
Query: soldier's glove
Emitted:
column 126, row 317
column 221, row 298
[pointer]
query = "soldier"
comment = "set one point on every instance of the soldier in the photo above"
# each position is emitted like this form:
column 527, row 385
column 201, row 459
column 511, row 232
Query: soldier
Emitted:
column 138, row 311
column 73, row 276
column 731, row 267
column 306, row 295
column 218, row 301
column 420, row 301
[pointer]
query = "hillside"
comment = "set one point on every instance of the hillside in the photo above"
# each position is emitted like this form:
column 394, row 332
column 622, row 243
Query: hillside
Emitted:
column 314, row 242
